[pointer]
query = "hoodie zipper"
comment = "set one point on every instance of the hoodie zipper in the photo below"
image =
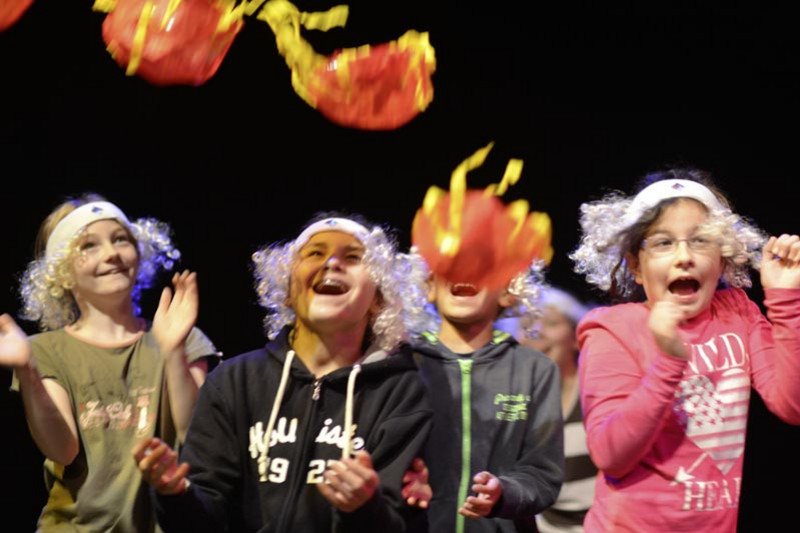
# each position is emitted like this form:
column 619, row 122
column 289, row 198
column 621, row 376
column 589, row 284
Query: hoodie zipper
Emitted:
column 299, row 459
column 317, row 389
column 466, row 436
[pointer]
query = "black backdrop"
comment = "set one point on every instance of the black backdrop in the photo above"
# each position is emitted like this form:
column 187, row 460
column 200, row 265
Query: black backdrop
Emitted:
column 590, row 97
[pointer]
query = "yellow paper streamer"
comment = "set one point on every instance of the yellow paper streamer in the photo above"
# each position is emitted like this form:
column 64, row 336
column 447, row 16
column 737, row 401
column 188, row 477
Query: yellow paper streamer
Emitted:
column 138, row 38
column 285, row 21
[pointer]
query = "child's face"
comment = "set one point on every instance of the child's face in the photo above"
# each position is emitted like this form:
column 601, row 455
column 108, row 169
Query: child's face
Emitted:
column 107, row 262
column 685, row 277
column 330, row 287
column 556, row 335
column 464, row 303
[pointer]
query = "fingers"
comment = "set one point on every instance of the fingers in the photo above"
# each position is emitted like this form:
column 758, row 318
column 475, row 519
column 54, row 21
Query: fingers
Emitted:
column 186, row 293
column 418, row 465
column 363, row 460
column 478, row 505
column 416, row 490
column 140, row 450
column 350, row 483
column 333, row 497
column 783, row 248
column 177, row 482
column 487, row 487
column 482, row 478
column 158, row 464
column 165, row 300
column 7, row 324
column 665, row 317
column 352, row 478
column 475, row 507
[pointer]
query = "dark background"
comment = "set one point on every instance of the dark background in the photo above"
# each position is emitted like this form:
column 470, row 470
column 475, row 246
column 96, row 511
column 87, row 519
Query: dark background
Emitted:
column 591, row 97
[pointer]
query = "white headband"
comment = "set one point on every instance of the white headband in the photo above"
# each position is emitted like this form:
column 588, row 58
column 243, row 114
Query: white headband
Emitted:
column 564, row 303
column 651, row 195
column 79, row 218
column 333, row 224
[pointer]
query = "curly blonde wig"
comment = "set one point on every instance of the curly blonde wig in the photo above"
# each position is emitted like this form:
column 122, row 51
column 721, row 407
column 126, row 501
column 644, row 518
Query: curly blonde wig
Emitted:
column 609, row 233
column 397, row 277
column 47, row 283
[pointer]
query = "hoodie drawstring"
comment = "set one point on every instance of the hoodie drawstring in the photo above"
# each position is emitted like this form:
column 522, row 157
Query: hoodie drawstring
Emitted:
column 347, row 449
column 348, row 412
column 276, row 405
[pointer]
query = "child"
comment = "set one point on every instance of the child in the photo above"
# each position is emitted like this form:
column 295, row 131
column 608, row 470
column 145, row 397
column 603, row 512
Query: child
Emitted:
column 271, row 442
column 495, row 453
column 100, row 378
column 665, row 379
column 561, row 313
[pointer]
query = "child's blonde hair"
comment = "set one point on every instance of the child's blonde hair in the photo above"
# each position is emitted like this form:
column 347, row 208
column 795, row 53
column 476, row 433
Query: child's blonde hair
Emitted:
column 47, row 283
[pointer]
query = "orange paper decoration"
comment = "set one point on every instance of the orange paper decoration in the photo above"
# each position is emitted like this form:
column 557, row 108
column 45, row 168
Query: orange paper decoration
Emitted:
column 169, row 42
column 375, row 87
column 11, row 11
column 470, row 236
column 378, row 87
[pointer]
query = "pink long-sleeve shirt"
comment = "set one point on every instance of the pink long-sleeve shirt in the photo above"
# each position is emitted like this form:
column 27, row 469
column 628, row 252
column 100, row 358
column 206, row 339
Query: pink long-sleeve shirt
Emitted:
column 668, row 434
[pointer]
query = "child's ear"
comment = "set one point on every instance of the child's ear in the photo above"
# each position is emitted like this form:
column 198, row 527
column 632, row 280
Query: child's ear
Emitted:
column 431, row 289
column 377, row 303
column 634, row 267
column 506, row 299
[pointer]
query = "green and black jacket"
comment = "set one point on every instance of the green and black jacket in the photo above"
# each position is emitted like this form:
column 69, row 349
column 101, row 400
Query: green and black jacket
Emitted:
column 497, row 409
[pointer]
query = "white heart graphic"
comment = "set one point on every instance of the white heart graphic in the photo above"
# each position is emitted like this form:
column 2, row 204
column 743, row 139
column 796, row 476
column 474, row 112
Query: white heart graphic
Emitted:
column 715, row 418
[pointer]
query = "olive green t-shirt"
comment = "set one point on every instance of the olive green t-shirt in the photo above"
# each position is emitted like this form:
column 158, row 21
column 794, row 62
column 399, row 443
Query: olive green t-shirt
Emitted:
column 116, row 397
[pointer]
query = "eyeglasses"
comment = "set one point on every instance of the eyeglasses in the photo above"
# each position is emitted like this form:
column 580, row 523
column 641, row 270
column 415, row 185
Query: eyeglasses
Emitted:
column 661, row 245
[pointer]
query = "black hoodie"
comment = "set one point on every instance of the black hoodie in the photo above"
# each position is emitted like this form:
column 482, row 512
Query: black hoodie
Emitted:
column 225, row 445
column 497, row 409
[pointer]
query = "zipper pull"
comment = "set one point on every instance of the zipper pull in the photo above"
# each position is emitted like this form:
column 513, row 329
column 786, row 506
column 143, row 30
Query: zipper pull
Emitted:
column 317, row 387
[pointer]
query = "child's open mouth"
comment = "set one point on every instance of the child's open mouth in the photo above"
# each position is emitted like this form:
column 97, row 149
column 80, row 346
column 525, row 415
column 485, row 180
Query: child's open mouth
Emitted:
column 684, row 287
column 463, row 289
column 330, row 286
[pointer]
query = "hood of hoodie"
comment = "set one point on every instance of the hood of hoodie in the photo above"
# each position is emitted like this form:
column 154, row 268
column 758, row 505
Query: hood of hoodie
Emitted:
column 430, row 345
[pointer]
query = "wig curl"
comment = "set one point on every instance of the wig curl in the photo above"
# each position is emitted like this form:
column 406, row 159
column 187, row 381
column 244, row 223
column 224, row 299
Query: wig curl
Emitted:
column 398, row 278
column 606, row 239
column 46, row 285
column 526, row 288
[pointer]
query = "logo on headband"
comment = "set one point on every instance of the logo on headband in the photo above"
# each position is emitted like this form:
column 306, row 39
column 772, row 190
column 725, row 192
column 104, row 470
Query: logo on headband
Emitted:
column 331, row 222
column 97, row 209
column 677, row 186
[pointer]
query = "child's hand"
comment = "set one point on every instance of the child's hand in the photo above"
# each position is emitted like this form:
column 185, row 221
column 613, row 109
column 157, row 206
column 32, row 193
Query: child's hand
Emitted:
column 780, row 263
column 15, row 350
column 416, row 489
column 176, row 314
column 665, row 317
column 350, row 483
column 489, row 490
column 158, row 464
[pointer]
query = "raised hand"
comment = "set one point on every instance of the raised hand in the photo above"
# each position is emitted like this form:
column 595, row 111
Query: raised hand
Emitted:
column 158, row 464
column 780, row 263
column 416, row 489
column 488, row 491
column 665, row 317
column 15, row 350
column 350, row 483
column 176, row 315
